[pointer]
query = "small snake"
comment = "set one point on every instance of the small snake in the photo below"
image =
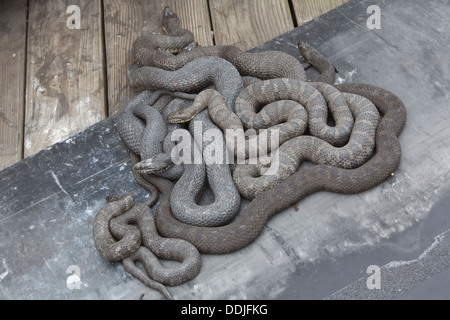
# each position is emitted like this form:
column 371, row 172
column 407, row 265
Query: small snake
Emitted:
column 142, row 243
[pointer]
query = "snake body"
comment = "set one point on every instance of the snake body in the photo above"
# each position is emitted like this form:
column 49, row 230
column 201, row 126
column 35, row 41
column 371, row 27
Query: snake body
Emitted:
column 215, row 171
column 175, row 39
column 262, row 65
column 188, row 189
column 249, row 224
column 132, row 122
column 118, row 238
column 254, row 179
column 191, row 78
column 288, row 116
column 109, row 248
column 294, row 150
column 246, row 227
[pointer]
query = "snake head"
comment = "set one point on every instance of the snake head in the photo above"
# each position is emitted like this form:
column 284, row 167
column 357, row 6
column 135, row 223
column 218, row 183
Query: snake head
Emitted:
column 179, row 116
column 157, row 164
column 191, row 46
column 170, row 20
column 310, row 54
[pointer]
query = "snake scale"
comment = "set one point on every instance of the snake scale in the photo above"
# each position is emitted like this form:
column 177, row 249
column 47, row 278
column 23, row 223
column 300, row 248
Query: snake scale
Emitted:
column 248, row 225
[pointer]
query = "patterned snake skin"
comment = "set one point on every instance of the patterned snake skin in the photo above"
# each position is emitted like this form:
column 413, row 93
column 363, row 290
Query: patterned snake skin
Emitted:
column 192, row 180
column 175, row 39
column 248, row 225
column 115, row 221
column 253, row 179
column 134, row 121
column 110, row 224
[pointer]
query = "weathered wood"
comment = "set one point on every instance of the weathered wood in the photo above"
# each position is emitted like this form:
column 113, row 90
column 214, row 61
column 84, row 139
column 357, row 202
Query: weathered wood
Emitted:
column 306, row 10
column 13, row 16
column 248, row 23
column 65, row 72
column 126, row 20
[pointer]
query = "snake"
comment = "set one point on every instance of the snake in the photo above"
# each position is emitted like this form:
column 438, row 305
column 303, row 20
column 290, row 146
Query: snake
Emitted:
column 286, row 116
column 263, row 65
column 191, row 78
column 249, row 179
column 247, row 226
column 211, row 169
column 137, row 115
column 289, row 116
column 176, row 38
column 142, row 243
column 192, row 180
column 109, row 248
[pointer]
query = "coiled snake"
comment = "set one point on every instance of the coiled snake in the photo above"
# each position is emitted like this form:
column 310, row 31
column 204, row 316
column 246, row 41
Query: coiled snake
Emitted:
column 115, row 221
column 317, row 148
column 248, row 225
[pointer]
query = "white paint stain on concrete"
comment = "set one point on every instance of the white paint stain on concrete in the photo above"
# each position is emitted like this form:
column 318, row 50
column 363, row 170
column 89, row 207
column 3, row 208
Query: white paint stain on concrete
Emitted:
column 6, row 272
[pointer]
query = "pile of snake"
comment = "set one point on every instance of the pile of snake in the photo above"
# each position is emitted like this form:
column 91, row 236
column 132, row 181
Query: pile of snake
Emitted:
column 349, row 133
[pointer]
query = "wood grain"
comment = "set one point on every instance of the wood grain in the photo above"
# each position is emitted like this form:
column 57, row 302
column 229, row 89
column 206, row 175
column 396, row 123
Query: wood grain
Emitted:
column 306, row 10
column 247, row 23
column 13, row 16
column 65, row 72
column 126, row 20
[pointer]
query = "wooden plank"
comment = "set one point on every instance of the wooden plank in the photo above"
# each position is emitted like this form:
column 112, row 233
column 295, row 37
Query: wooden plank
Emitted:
column 306, row 10
column 13, row 16
column 247, row 23
column 126, row 20
column 65, row 72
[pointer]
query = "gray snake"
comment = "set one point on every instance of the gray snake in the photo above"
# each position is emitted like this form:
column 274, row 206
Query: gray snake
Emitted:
column 249, row 224
column 249, row 178
column 253, row 179
column 136, row 116
column 192, row 77
column 116, row 221
column 176, row 38
column 246, row 227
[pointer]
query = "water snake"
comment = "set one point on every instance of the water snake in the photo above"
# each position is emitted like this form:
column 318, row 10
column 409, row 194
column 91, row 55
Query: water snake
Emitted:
column 125, row 230
column 249, row 224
